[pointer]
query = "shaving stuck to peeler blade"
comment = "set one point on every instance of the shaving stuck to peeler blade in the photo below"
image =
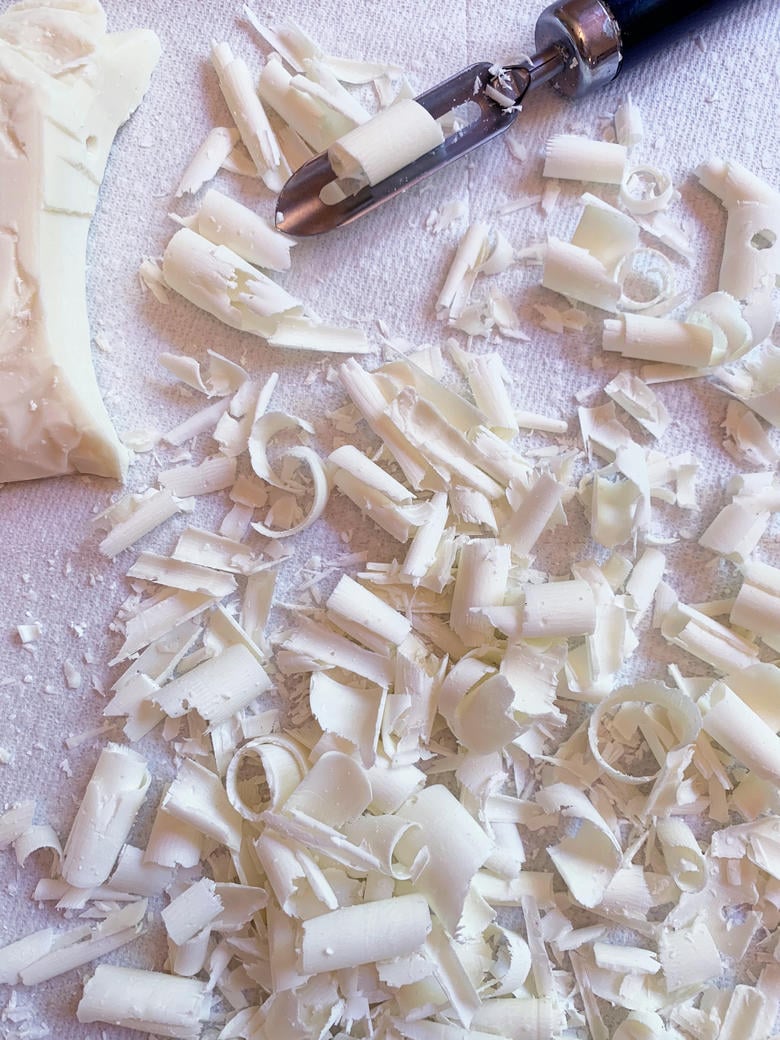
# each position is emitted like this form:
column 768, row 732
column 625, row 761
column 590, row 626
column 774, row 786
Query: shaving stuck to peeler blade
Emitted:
column 580, row 45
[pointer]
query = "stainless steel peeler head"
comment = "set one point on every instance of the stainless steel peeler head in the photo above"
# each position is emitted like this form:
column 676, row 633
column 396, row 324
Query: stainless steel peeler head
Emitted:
column 497, row 93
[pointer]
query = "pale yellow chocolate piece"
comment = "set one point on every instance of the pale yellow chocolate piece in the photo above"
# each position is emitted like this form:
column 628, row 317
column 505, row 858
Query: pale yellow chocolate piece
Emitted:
column 65, row 88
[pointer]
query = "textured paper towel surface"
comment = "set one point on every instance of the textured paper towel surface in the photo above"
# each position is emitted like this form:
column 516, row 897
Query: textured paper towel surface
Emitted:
column 714, row 94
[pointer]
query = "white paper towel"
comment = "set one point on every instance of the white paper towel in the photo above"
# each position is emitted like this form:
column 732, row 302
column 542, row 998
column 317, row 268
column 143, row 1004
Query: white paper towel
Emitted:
column 712, row 94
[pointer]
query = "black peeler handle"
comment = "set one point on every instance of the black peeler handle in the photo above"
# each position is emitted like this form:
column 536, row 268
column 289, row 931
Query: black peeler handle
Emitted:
column 600, row 38
column 646, row 25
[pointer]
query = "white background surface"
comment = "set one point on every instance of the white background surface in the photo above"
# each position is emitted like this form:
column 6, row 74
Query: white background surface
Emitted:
column 714, row 96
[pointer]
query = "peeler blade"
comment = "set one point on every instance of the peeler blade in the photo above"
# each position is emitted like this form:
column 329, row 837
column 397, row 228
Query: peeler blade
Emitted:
column 300, row 210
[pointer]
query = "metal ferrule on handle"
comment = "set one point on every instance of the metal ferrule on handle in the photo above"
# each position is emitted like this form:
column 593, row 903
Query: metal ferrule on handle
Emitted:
column 603, row 37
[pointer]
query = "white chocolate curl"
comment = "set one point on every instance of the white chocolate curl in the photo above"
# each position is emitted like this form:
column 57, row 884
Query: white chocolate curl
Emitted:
column 191, row 911
column 354, row 602
column 391, row 140
column 226, row 222
column 453, row 848
column 197, row 797
column 687, row 721
column 757, row 606
column 742, row 732
column 217, row 280
column 658, row 339
column 316, row 122
column 246, row 107
column 47, row 954
column 217, row 688
column 283, row 767
column 365, row 933
column 205, row 163
column 145, row 1000
column 525, row 1017
column 579, row 158
column 573, row 271
column 629, row 129
column 112, row 799
column 605, row 232
column 683, row 857
column 335, row 790
column 589, row 858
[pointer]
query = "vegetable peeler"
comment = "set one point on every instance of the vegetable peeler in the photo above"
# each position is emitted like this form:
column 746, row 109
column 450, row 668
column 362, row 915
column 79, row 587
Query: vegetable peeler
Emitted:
column 580, row 45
